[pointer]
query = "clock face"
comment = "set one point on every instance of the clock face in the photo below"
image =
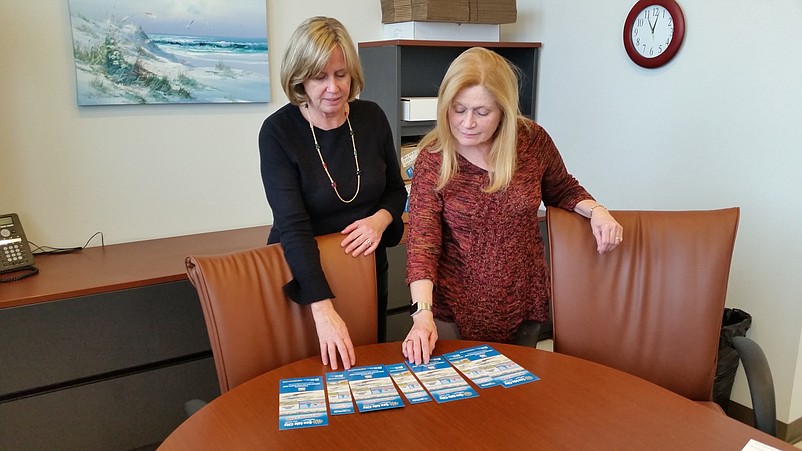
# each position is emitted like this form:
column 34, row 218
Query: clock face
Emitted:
column 652, row 31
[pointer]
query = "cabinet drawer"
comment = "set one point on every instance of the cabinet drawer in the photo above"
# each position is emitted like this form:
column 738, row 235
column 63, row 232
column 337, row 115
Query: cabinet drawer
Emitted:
column 61, row 341
column 123, row 413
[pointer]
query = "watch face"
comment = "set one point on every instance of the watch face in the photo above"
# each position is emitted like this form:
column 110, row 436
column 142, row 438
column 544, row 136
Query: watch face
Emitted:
column 652, row 31
column 418, row 306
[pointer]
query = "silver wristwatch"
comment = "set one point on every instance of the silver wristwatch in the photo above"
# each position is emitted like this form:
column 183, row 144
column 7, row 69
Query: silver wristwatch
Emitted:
column 416, row 307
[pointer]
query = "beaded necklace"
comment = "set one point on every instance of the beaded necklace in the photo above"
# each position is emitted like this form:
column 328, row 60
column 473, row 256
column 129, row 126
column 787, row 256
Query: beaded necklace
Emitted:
column 326, row 168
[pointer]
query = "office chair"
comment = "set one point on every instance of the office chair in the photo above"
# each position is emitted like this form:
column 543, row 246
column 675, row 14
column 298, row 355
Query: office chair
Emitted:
column 653, row 307
column 254, row 328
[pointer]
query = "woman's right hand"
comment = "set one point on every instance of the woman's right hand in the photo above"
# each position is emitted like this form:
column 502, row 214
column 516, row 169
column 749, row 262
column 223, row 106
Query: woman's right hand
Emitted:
column 333, row 335
column 421, row 339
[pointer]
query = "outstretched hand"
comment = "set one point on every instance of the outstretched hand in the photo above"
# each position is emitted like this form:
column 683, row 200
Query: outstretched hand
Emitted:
column 333, row 335
column 421, row 339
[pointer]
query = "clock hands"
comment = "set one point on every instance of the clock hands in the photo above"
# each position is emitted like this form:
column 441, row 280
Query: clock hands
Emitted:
column 652, row 25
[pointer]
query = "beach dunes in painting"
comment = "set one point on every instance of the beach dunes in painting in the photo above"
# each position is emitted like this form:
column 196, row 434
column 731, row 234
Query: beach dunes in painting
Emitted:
column 117, row 62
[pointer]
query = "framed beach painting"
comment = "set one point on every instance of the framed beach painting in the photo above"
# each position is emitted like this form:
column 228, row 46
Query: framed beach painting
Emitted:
column 170, row 51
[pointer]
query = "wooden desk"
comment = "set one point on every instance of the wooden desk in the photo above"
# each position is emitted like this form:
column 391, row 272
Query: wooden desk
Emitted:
column 120, row 266
column 576, row 405
column 101, row 349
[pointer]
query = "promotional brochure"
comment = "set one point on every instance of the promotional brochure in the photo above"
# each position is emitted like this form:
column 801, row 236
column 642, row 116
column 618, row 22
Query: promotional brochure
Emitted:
column 303, row 401
column 409, row 386
column 339, row 393
column 373, row 388
column 486, row 367
column 442, row 380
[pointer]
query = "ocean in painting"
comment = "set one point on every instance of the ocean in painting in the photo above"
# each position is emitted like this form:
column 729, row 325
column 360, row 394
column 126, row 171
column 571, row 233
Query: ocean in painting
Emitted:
column 117, row 62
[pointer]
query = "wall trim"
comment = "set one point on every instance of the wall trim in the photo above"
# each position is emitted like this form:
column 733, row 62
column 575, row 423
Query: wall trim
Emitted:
column 788, row 432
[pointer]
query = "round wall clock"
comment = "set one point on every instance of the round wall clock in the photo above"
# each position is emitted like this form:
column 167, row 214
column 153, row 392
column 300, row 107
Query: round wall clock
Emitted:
column 653, row 32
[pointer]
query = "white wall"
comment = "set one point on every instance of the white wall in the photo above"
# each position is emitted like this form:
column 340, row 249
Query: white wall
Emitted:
column 716, row 127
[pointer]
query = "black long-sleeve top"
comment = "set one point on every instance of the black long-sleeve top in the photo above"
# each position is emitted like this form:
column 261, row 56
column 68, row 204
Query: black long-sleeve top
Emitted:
column 300, row 195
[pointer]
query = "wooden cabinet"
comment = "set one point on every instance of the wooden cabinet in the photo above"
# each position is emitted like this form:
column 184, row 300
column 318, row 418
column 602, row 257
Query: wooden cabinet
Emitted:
column 104, row 371
column 101, row 349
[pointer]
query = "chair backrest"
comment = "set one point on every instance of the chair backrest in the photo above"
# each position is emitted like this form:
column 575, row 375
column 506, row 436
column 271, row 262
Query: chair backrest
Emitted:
column 253, row 327
column 653, row 307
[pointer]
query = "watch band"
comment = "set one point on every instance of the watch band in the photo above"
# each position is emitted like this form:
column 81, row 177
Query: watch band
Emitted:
column 416, row 307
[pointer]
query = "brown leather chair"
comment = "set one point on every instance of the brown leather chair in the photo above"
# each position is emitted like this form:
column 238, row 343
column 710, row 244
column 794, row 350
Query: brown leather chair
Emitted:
column 653, row 307
column 253, row 327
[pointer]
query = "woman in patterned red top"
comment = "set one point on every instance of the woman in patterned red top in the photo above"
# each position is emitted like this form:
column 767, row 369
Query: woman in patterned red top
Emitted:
column 476, row 262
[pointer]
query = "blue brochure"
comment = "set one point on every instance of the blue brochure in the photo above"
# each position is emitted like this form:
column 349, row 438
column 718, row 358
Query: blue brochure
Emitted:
column 442, row 381
column 408, row 384
column 487, row 367
column 472, row 363
column 302, row 403
column 373, row 388
column 339, row 393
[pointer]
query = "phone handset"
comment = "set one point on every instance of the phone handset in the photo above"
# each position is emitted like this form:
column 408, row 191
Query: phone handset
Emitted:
column 16, row 258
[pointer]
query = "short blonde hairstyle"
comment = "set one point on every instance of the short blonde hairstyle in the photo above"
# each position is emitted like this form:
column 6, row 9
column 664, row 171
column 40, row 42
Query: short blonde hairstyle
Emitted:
column 478, row 66
column 308, row 53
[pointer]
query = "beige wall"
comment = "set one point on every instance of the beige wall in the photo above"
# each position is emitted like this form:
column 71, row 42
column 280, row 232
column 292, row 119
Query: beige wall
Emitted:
column 717, row 127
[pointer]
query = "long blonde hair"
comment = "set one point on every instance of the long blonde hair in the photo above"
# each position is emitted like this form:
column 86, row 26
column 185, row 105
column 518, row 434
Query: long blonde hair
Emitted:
column 309, row 51
column 478, row 66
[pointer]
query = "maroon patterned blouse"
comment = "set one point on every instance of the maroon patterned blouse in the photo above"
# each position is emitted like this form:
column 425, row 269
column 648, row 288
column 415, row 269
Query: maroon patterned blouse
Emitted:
column 484, row 252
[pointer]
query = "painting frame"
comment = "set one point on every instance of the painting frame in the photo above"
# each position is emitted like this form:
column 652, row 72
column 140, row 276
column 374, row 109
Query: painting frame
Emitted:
column 170, row 51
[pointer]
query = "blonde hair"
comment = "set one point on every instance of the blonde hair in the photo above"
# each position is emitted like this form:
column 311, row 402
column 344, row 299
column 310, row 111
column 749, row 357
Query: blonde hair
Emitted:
column 479, row 67
column 308, row 53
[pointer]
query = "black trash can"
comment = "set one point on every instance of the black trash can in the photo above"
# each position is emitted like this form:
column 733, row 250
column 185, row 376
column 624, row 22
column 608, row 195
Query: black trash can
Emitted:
column 735, row 324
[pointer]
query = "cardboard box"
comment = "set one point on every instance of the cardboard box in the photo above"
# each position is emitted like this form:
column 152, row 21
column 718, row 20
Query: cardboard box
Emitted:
column 419, row 108
column 409, row 152
column 443, row 31
column 462, row 11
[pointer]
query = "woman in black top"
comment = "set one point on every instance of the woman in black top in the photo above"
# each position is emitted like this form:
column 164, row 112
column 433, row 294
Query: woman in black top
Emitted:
column 328, row 165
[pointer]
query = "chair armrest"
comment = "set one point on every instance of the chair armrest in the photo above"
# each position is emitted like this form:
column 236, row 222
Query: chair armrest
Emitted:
column 761, row 384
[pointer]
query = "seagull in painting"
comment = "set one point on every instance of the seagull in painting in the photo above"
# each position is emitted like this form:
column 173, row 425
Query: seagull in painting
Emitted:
column 190, row 23
column 149, row 14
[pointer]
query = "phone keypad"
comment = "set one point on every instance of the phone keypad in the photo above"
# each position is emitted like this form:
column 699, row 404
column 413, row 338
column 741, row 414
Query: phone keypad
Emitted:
column 12, row 255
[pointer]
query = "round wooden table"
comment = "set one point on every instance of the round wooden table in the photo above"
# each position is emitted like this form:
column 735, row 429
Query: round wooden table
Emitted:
column 575, row 405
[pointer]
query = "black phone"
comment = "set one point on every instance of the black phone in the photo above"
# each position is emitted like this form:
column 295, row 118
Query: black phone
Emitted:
column 15, row 253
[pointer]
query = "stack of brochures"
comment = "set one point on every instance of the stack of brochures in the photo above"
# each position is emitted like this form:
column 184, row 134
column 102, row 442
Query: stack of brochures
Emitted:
column 302, row 401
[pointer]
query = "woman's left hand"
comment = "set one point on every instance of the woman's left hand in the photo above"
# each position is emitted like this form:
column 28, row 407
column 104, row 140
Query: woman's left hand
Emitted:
column 363, row 235
column 607, row 231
